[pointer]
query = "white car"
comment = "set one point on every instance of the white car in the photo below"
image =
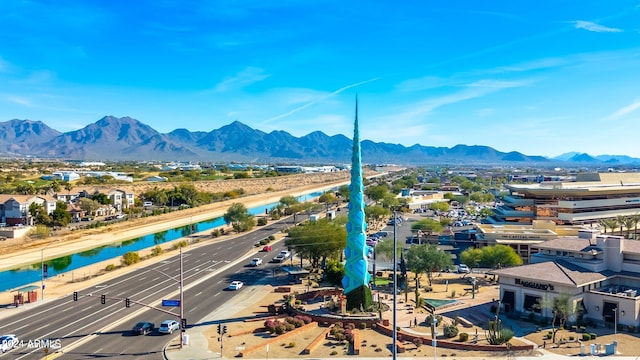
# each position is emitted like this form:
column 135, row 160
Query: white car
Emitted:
column 255, row 262
column 235, row 285
column 463, row 269
column 8, row 342
column 167, row 326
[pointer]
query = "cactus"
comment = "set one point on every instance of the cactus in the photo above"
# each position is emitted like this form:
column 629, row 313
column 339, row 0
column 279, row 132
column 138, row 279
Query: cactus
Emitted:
column 496, row 335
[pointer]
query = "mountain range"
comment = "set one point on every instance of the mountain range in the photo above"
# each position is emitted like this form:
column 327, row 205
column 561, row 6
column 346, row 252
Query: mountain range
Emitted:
column 117, row 139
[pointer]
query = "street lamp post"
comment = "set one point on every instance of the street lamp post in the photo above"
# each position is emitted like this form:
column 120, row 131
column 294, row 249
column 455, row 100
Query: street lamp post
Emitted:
column 615, row 324
column 395, row 290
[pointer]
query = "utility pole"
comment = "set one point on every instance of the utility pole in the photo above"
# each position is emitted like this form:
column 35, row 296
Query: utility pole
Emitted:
column 182, row 321
column 394, row 340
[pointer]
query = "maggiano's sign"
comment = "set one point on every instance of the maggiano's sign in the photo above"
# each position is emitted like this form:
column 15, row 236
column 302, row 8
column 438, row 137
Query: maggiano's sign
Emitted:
column 534, row 285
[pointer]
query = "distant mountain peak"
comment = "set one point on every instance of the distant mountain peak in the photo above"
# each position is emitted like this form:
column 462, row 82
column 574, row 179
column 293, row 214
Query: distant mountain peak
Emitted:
column 125, row 138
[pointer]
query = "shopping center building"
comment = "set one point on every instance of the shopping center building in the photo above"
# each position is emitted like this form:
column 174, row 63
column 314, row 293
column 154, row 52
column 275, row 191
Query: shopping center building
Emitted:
column 592, row 197
column 600, row 274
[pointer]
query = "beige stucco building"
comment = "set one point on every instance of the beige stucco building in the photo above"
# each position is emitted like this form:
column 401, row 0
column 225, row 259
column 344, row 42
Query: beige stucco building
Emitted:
column 600, row 273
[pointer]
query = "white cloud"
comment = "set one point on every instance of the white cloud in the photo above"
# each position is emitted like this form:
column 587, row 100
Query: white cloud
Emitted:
column 425, row 83
column 591, row 26
column 244, row 78
column 319, row 99
column 18, row 100
column 623, row 111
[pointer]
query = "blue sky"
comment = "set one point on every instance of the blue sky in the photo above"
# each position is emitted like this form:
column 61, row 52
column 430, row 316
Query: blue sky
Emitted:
column 539, row 77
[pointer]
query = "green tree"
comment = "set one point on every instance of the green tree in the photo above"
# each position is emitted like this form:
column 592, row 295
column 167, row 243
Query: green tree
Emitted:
column 375, row 215
column 317, row 239
column 327, row 198
column 239, row 218
column 427, row 259
column 376, row 193
column 335, row 272
column 344, row 192
column 385, row 248
column 500, row 255
column 440, row 206
column 101, row 198
column 60, row 216
column 427, row 226
column 471, row 257
column 89, row 206
column 562, row 307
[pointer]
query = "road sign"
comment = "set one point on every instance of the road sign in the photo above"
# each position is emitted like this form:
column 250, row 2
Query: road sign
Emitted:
column 171, row 303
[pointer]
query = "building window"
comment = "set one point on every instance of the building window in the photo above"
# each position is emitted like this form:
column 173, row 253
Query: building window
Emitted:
column 532, row 303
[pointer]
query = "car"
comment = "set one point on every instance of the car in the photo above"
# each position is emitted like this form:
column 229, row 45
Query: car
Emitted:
column 236, row 285
column 279, row 258
column 8, row 342
column 463, row 269
column 143, row 328
column 372, row 242
column 255, row 262
column 286, row 254
column 167, row 326
column 267, row 248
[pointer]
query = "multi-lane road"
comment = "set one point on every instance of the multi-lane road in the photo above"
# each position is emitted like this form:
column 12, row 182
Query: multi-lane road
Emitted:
column 87, row 329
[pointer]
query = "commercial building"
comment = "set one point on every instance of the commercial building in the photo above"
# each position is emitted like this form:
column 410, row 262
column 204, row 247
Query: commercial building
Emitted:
column 588, row 199
column 522, row 238
column 599, row 273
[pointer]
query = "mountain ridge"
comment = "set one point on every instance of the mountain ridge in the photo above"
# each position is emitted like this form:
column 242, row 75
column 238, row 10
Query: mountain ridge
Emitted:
column 126, row 138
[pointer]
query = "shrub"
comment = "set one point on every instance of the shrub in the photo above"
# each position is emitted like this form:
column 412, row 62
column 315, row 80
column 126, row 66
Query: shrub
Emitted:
column 156, row 251
column 363, row 325
column 262, row 221
column 593, row 336
column 507, row 334
column 110, row 267
column 464, row 337
column 333, row 353
column 450, row 331
column 281, row 329
column 428, row 289
column 417, row 342
column 631, row 328
column 179, row 244
column 453, row 294
column 586, row 337
column 130, row 258
column 291, row 344
column 271, row 237
column 215, row 233
column 264, row 242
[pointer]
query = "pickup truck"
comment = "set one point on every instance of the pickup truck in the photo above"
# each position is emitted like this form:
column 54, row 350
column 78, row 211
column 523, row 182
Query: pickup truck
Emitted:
column 282, row 256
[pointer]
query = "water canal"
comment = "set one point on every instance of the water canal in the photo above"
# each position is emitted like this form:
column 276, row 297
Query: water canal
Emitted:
column 15, row 278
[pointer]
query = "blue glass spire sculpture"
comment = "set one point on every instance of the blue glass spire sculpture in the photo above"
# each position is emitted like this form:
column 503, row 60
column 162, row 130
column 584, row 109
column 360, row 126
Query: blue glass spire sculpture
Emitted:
column 356, row 279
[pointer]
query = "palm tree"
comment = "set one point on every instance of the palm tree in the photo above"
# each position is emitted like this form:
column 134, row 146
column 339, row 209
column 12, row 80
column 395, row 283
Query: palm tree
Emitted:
column 636, row 218
column 620, row 221
column 629, row 222
column 608, row 223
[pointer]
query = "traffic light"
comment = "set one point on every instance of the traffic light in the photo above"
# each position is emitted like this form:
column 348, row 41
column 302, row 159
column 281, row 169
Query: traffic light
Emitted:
column 220, row 329
column 224, row 329
column 184, row 323
column 75, row 296
column 45, row 270
column 103, row 299
column 127, row 302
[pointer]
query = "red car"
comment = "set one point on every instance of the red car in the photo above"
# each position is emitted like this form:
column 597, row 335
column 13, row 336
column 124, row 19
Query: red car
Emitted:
column 267, row 248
